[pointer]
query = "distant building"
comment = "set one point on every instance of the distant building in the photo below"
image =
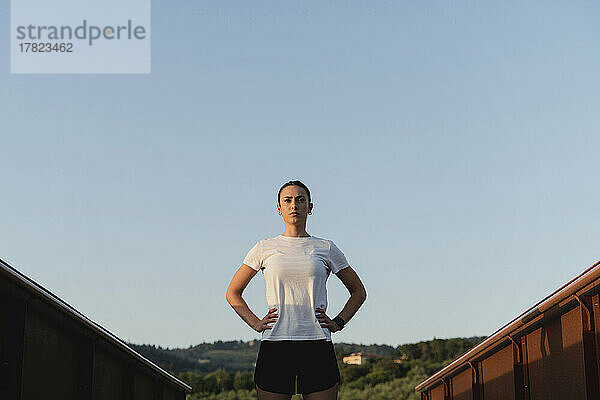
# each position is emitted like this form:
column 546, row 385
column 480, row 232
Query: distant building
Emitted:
column 359, row 358
column 400, row 360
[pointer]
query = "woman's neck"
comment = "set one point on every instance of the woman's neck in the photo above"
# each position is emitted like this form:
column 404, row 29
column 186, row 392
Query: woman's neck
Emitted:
column 295, row 231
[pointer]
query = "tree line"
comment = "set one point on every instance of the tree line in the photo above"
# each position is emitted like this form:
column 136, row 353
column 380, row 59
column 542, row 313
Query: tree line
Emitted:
column 391, row 375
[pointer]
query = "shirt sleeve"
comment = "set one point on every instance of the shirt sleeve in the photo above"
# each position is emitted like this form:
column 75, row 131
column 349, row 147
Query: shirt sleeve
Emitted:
column 337, row 259
column 254, row 257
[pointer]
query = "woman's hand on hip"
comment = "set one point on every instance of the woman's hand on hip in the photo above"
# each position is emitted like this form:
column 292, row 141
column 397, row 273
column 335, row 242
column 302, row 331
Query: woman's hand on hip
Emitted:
column 271, row 317
column 325, row 321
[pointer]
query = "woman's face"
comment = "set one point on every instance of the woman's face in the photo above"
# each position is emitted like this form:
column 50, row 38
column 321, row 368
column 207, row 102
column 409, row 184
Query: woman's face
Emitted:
column 293, row 205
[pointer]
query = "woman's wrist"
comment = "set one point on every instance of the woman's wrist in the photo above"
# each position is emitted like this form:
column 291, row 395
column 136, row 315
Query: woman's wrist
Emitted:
column 256, row 324
column 339, row 322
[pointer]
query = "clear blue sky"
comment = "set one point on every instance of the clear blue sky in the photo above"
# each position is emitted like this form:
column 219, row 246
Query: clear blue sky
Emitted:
column 451, row 148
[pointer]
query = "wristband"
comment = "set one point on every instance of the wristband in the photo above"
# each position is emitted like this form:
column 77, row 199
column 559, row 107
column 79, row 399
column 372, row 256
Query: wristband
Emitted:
column 339, row 322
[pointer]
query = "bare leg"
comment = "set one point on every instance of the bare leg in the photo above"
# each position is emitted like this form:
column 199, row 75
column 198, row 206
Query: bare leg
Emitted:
column 327, row 394
column 264, row 395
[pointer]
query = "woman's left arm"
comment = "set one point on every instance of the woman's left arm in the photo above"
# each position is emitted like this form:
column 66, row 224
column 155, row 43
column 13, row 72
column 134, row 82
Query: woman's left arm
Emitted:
column 358, row 295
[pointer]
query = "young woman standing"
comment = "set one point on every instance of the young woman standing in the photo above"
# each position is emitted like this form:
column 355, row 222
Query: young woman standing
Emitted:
column 296, row 351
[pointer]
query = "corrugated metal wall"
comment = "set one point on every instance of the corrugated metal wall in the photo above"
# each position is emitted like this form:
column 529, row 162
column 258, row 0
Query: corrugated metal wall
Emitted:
column 462, row 385
column 498, row 377
column 45, row 354
column 553, row 356
column 49, row 356
column 555, row 359
column 144, row 387
column 437, row 393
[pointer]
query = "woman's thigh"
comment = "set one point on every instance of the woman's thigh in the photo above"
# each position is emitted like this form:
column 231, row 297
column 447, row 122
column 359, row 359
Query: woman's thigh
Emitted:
column 264, row 395
column 318, row 370
column 327, row 394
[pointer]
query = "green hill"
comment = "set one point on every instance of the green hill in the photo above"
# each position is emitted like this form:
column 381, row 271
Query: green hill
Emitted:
column 240, row 356
column 224, row 370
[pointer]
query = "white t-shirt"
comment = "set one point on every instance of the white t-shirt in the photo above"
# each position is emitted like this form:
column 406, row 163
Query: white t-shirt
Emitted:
column 296, row 271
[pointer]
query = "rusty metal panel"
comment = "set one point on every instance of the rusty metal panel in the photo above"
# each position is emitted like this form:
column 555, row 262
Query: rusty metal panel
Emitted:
column 498, row 376
column 462, row 385
column 437, row 393
column 12, row 356
column 22, row 290
column 596, row 315
column 144, row 387
column 518, row 369
column 169, row 393
column 555, row 359
column 590, row 358
column 129, row 380
column 158, row 390
column 86, row 368
column 49, row 356
column 525, row 376
column 2, row 327
column 478, row 387
column 109, row 377
column 4, row 373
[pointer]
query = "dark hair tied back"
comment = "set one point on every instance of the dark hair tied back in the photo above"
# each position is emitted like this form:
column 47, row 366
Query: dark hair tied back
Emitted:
column 293, row 183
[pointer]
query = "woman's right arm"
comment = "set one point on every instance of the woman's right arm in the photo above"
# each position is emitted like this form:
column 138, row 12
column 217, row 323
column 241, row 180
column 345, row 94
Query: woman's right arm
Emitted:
column 240, row 280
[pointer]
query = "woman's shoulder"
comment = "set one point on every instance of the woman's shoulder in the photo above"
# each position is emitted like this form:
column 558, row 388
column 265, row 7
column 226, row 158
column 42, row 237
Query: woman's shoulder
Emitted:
column 320, row 239
column 325, row 244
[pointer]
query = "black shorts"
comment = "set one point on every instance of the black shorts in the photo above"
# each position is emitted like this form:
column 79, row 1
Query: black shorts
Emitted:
column 313, row 362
